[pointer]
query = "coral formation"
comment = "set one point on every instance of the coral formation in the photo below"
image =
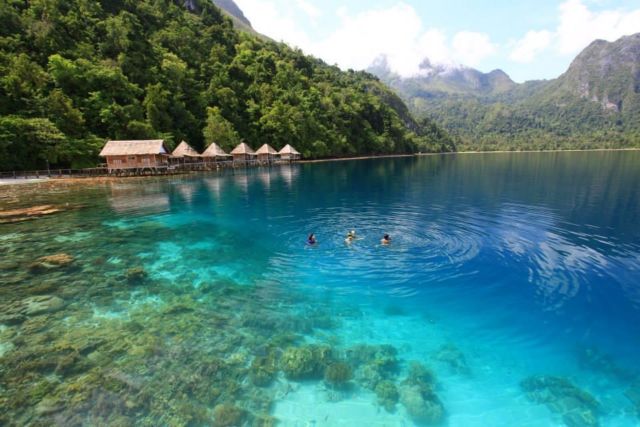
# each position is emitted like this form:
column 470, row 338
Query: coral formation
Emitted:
column 263, row 370
column 135, row 275
column 227, row 415
column 451, row 355
column 423, row 406
column 576, row 407
column 51, row 262
column 387, row 394
column 418, row 395
column 338, row 374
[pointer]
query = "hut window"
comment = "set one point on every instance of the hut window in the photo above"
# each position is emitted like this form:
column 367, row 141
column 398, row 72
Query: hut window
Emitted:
column 132, row 157
column 117, row 162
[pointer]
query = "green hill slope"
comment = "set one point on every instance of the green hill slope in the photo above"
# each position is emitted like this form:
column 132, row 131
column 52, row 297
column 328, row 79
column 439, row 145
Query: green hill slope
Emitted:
column 74, row 73
column 595, row 104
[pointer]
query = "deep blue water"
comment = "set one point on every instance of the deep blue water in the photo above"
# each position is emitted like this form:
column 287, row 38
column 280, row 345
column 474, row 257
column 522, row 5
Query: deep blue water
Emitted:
column 525, row 264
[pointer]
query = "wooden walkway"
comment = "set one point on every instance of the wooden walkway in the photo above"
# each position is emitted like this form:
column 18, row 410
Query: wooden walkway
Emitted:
column 169, row 169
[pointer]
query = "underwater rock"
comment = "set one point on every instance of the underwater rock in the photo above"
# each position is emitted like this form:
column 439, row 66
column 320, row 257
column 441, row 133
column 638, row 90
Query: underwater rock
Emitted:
column 227, row 415
column 263, row 370
column 26, row 214
column 595, row 360
column 577, row 407
column 369, row 375
column 452, row 356
column 338, row 374
column 48, row 406
column 423, row 406
column 298, row 363
column 264, row 420
column 13, row 317
column 373, row 364
column 136, row 275
column 43, row 304
column 51, row 262
column 306, row 362
column 387, row 394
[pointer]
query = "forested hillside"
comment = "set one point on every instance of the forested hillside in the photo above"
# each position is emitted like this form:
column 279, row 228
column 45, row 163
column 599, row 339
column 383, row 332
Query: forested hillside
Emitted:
column 595, row 104
column 74, row 73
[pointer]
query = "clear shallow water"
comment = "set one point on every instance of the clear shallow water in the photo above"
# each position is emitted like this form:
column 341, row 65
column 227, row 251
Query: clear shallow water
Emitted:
column 182, row 292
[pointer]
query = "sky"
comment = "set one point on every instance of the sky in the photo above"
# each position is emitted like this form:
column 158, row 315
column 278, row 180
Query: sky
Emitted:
column 528, row 39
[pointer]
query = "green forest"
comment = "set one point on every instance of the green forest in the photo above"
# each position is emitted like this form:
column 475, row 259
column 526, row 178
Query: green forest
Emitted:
column 74, row 73
column 479, row 124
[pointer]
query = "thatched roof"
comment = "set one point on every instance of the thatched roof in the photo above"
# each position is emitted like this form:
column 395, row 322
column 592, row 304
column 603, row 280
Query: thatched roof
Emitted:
column 287, row 149
column 185, row 150
column 214, row 150
column 243, row 148
column 266, row 149
column 133, row 148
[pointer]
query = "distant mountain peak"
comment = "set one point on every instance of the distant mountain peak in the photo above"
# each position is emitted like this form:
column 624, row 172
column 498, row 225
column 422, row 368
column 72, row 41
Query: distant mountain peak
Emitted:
column 438, row 78
column 605, row 72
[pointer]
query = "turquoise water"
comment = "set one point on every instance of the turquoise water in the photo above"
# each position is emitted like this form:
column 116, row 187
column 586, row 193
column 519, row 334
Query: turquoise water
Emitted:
column 509, row 296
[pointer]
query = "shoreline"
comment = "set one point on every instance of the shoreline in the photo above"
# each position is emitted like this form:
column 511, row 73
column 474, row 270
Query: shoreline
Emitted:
column 9, row 182
column 449, row 153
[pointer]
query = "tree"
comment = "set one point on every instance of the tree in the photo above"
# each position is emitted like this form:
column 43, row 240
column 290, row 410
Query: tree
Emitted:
column 219, row 130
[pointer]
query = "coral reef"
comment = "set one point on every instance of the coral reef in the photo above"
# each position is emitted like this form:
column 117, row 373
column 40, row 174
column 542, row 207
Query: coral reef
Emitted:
column 263, row 369
column 306, row 362
column 450, row 355
column 418, row 395
column 338, row 374
column 387, row 394
column 135, row 275
column 51, row 262
column 423, row 406
column 227, row 415
column 26, row 214
column 576, row 407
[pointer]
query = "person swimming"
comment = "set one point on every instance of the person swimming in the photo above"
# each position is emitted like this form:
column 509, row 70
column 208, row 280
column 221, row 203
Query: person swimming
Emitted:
column 311, row 240
column 385, row 239
column 351, row 236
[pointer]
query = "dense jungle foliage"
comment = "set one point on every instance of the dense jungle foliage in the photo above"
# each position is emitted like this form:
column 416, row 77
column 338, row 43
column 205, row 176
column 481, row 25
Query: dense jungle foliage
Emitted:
column 74, row 73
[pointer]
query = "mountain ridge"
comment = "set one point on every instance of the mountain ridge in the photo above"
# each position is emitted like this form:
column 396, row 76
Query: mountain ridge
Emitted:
column 594, row 103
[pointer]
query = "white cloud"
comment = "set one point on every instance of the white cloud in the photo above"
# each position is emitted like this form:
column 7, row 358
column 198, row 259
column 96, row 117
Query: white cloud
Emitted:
column 472, row 48
column 533, row 43
column 267, row 18
column 309, row 9
column 579, row 26
column 396, row 32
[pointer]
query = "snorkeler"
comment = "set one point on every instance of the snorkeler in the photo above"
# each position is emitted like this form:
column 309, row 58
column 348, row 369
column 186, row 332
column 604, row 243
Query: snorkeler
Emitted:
column 311, row 240
column 385, row 239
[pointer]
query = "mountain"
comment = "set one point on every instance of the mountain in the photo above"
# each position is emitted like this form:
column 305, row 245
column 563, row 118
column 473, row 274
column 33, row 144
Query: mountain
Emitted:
column 595, row 103
column 75, row 73
column 436, row 80
column 233, row 11
column 605, row 73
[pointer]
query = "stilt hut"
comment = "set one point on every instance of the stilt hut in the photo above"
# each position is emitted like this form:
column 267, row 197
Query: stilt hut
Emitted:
column 289, row 153
column 184, row 153
column 266, row 153
column 214, row 153
column 135, row 155
column 243, row 153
